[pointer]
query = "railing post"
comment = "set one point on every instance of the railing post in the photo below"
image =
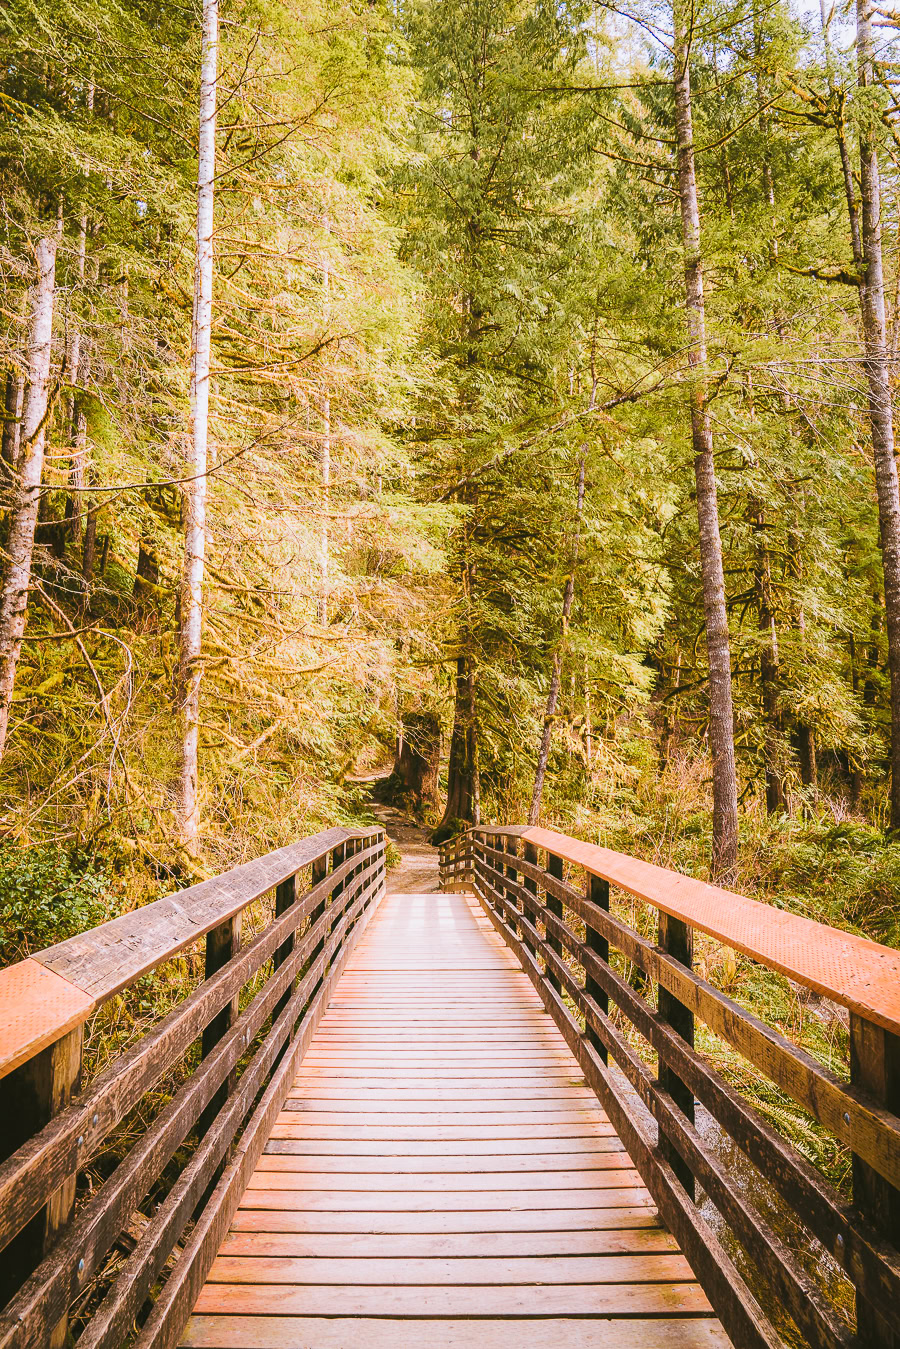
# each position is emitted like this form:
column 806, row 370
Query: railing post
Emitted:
column 677, row 939
column 554, row 906
column 222, row 943
column 319, row 872
column 511, row 846
column 875, row 1067
column 597, row 893
column 30, row 1096
column 285, row 896
column 530, row 854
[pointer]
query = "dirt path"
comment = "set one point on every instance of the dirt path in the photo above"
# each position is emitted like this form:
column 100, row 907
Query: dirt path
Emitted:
column 417, row 873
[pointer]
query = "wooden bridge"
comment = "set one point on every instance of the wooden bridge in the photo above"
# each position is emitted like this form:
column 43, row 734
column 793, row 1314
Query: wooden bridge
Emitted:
column 468, row 1118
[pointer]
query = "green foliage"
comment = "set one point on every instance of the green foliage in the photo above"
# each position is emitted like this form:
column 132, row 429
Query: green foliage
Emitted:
column 48, row 894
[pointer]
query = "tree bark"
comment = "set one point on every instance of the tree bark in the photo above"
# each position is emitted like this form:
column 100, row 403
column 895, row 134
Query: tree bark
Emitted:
column 461, row 769
column 20, row 545
column 12, row 418
column 880, row 397
column 768, row 668
column 414, row 780
column 553, row 692
column 721, row 717
column 325, row 455
column 191, row 611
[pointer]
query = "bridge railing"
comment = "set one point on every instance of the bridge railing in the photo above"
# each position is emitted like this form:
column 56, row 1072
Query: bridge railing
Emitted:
column 160, row 1145
column 756, row 1245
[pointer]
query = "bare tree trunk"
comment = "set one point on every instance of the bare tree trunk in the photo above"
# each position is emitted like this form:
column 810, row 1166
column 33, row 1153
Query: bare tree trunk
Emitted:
column 670, row 715
column 190, row 633
column 20, row 546
column 326, row 485
column 721, row 717
column 768, row 667
column 325, row 458
column 75, row 361
column 553, row 692
column 12, row 418
column 588, row 725
column 881, row 415
column 461, row 768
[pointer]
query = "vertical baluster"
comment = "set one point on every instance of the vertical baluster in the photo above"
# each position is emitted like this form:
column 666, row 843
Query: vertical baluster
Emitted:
column 30, row 1097
column 677, row 939
column 222, row 943
column 530, row 854
column 875, row 1067
column 511, row 846
column 285, row 896
column 597, row 893
column 554, row 906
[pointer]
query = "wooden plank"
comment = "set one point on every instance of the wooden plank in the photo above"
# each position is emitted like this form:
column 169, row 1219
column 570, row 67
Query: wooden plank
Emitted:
column 649, row 1299
column 476, row 1148
column 628, row 1241
column 278, row 1176
column 293, row 1125
column 286, row 1332
column 414, row 1201
column 495, row 1272
column 283, row 1150
column 539, row 1219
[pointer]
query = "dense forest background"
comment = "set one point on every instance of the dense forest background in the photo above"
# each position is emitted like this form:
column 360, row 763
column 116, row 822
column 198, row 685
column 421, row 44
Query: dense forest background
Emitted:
column 551, row 367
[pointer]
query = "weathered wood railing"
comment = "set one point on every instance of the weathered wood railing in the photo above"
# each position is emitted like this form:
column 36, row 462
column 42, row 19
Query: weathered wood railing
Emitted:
column 226, row 1055
column 562, row 931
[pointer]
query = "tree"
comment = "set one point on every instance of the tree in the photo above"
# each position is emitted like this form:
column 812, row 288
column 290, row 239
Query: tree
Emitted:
column 191, row 609
column 721, row 716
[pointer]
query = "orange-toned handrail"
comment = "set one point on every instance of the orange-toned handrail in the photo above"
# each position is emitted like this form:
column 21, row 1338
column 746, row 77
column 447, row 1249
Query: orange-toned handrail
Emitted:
column 857, row 973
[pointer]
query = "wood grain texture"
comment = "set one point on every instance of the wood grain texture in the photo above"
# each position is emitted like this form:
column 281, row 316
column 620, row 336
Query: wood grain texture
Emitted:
column 283, row 1332
column 107, row 958
column 440, row 1157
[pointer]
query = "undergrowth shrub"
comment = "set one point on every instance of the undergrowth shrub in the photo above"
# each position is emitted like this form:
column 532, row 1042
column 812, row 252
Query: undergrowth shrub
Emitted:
column 47, row 894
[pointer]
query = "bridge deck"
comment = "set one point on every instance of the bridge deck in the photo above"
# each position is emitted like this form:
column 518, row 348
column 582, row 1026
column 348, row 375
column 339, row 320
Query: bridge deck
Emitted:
column 441, row 1173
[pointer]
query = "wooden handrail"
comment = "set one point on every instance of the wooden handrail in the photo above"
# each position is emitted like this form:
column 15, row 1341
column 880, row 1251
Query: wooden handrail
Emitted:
column 853, row 971
column 253, row 1014
column 584, row 960
column 55, row 990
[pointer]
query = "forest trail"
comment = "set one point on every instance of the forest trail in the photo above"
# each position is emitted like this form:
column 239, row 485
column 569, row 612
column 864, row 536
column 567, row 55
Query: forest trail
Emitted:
column 418, row 869
column 441, row 1174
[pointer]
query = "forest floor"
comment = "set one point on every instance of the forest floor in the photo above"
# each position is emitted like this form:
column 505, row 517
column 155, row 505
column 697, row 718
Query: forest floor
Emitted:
column 417, row 872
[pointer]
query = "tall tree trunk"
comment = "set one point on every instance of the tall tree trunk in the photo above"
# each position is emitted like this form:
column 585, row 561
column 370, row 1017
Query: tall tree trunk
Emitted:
column 12, row 418
column 191, row 616
column 75, row 360
column 670, row 714
column 414, row 780
column 588, row 724
column 881, row 416
column 553, row 692
column 461, row 784
column 325, row 455
column 721, row 717
column 20, row 546
column 325, row 467
column 768, row 667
